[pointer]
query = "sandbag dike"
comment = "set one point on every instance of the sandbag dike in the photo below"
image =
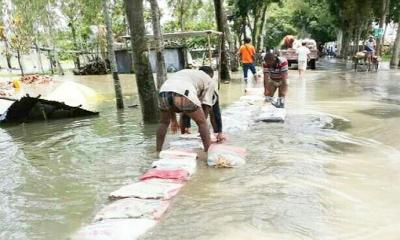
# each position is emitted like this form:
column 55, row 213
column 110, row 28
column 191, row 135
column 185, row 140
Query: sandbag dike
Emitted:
column 135, row 208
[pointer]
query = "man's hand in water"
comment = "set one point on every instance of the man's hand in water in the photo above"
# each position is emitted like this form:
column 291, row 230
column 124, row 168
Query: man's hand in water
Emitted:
column 221, row 137
column 174, row 126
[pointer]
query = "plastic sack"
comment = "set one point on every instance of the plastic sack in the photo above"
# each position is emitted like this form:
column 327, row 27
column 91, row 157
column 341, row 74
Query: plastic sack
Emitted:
column 220, row 155
column 187, row 164
column 272, row 114
column 176, row 174
column 149, row 189
column 116, row 229
column 254, row 91
column 197, row 137
column 186, row 144
column 190, row 136
column 167, row 154
column 252, row 98
column 133, row 208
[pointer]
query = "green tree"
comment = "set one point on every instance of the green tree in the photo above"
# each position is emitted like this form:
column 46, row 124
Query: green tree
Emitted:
column 20, row 39
column 383, row 12
column 184, row 11
column 352, row 18
column 111, row 55
column 394, row 15
column 159, row 43
column 80, row 15
column 222, row 27
column 144, row 75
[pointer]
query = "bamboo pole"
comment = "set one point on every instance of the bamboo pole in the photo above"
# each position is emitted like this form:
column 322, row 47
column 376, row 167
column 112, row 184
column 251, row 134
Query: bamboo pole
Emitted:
column 209, row 49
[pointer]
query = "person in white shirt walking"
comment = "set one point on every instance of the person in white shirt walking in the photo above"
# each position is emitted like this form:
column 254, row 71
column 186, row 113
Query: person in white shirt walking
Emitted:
column 303, row 56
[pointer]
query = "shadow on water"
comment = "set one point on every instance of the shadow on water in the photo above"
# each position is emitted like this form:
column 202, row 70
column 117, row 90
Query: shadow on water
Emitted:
column 307, row 178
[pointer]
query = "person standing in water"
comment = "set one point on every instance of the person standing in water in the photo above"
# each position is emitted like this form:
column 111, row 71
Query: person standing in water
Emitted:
column 247, row 54
column 303, row 56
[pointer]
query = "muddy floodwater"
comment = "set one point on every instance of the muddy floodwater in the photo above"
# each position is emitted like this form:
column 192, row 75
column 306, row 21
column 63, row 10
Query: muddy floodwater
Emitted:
column 331, row 171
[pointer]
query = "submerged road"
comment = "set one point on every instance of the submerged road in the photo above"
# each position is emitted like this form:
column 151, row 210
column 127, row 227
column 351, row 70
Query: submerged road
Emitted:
column 331, row 171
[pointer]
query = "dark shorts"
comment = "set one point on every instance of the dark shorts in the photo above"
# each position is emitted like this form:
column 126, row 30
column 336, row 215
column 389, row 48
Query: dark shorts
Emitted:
column 170, row 101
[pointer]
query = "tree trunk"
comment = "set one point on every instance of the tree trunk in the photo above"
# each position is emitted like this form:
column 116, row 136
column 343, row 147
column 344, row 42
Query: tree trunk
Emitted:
column 384, row 12
column 384, row 33
column 111, row 56
column 144, row 76
column 339, row 40
column 222, row 26
column 255, row 26
column 244, row 24
column 357, row 40
column 73, row 30
column 345, row 45
column 51, row 60
column 261, row 28
column 159, row 43
column 394, row 61
column 8, row 55
column 20, row 63
column 57, row 62
column 181, row 10
column 39, row 56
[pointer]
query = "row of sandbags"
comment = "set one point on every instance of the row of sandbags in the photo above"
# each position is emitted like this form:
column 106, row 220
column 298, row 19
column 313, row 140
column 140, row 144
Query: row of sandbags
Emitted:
column 251, row 108
column 137, row 207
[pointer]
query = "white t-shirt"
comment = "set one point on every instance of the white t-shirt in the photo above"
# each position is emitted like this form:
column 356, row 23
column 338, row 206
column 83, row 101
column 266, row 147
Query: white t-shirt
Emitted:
column 302, row 53
column 196, row 85
column 370, row 44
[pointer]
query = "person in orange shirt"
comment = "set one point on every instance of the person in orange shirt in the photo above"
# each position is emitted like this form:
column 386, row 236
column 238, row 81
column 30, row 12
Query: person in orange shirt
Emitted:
column 247, row 57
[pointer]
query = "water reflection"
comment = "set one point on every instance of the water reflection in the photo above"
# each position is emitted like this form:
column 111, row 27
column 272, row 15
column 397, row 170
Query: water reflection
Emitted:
column 329, row 172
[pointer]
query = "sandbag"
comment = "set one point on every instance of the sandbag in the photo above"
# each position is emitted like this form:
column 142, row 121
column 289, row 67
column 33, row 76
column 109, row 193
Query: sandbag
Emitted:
column 187, row 164
column 133, row 208
column 254, row 91
column 149, row 189
column 220, row 155
column 197, row 137
column 189, row 136
column 168, row 154
column 115, row 229
column 270, row 113
column 175, row 174
column 186, row 144
column 252, row 98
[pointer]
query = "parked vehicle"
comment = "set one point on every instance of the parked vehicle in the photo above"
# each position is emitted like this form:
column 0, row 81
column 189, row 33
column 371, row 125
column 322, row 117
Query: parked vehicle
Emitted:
column 289, row 50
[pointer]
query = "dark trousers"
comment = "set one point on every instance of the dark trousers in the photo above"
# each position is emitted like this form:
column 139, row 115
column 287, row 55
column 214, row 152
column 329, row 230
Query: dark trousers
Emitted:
column 185, row 119
column 247, row 67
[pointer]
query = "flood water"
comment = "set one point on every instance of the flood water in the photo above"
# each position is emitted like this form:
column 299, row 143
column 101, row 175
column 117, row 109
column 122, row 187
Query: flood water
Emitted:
column 331, row 171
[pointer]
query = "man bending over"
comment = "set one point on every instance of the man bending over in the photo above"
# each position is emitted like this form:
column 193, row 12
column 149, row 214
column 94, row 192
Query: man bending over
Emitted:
column 190, row 92
column 275, row 77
